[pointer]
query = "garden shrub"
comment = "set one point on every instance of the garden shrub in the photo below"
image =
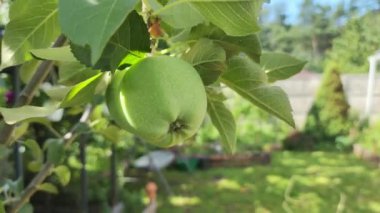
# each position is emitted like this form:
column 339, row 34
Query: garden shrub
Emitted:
column 298, row 141
column 329, row 115
column 370, row 138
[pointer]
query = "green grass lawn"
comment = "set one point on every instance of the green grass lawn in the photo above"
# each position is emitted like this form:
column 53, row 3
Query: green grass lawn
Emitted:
column 294, row 182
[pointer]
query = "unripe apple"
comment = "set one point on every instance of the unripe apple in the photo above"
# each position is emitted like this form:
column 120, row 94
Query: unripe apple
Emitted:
column 161, row 99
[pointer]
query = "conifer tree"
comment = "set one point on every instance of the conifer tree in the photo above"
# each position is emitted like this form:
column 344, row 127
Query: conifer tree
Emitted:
column 329, row 114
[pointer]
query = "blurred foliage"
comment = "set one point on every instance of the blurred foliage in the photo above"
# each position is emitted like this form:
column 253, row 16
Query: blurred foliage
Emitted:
column 370, row 138
column 295, row 182
column 256, row 129
column 358, row 40
column 4, row 85
column 6, row 166
column 329, row 115
column 298, row 141
column 322, row 33
column 99, row 147
column 310, row 37
column 98, row 165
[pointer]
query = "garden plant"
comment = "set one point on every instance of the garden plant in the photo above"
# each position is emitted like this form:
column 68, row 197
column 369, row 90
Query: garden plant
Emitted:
column 329, row 116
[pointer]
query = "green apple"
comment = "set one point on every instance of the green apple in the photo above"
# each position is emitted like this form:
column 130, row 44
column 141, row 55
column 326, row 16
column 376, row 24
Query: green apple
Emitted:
column 161, row 99
column 113, row 101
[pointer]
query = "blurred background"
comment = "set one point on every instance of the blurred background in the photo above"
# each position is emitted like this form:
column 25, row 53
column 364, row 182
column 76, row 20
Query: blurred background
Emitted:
column 330, row 163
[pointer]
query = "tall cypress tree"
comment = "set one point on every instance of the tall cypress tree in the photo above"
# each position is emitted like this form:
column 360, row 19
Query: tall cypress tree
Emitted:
column 329, row 114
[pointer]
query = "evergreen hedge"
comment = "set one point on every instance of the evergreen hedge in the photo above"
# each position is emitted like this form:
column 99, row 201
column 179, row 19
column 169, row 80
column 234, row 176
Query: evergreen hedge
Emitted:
column 329, row 116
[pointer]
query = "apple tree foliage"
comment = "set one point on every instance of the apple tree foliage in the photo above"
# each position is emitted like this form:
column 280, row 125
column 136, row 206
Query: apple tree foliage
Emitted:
column 97, row 37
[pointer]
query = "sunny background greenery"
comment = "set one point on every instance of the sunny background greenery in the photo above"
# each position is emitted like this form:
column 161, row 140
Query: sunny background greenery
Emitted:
column 321, row 179
column 343, row 34
column 294, row 182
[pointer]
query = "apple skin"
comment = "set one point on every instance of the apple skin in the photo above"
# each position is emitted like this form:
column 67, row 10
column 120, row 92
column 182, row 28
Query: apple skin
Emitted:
column 113, row 101
column 161, row 99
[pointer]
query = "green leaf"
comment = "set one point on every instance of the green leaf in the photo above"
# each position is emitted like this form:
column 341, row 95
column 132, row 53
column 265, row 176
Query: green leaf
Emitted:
column 20, row 130
column 102, row 87
column 132, row 36
column 249, row 45
column 248, row 79
column 63, row 173
column 37, row 155
column 55, row 150
column 15, row 115
column 48, row 187
column 28, row 69
column 71, row 73
column 233, row 45
column 210, row 72
column 244, row 71
column 223, row 120
column 33, row 25
column 179, row 15
column 208, row 59
column 234, row 17
column 83, row 92
column 205, row 51
column 57, row 93
column 55, row 54
column 108, row 15
column 132, row 59
column 111, row 133
column 35, row 149
column 280, row 66
column 34, row 166
column 14, row 186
